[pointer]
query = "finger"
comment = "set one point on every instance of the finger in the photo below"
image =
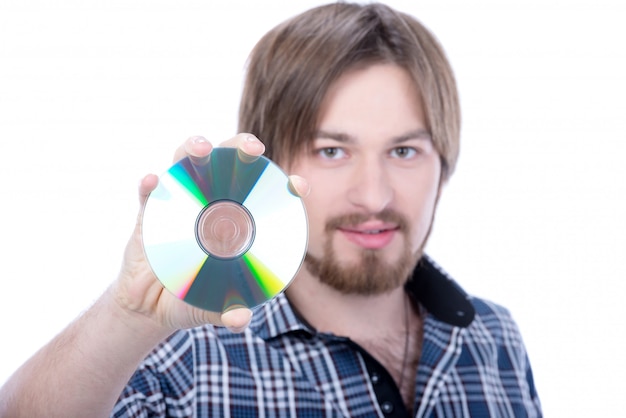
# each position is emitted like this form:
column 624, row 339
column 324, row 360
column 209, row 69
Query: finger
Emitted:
column 248, row 144
column 146, row 186
column 196, row 147
column 237, row 320
column 299, row 186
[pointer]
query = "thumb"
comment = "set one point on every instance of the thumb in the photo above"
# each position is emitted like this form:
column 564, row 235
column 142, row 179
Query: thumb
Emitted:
column 237, row 320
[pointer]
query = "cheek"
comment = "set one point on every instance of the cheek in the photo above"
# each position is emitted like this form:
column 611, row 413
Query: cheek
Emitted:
column 420, row 228
column 316, row 217
column 316, row 206
column 423, row 204
column 322, row 200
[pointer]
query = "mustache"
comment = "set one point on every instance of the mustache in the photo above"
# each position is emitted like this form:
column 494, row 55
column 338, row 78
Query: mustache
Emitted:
column 353, row 219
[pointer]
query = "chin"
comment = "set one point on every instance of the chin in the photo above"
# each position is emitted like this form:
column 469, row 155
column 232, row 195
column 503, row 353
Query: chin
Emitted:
column 369, row 274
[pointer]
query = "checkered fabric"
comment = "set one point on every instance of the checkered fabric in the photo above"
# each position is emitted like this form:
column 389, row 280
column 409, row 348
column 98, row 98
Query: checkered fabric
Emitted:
column 280, row 367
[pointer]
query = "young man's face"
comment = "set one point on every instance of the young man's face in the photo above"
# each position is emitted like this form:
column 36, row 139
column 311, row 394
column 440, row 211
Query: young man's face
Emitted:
column 374, row 177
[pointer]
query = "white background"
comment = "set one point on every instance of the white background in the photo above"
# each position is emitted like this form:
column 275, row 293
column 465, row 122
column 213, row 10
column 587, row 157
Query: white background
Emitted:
column 94, row 94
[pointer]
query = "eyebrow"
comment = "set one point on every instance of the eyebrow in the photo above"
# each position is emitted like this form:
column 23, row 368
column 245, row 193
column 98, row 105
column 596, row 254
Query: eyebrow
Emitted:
column 422, row 134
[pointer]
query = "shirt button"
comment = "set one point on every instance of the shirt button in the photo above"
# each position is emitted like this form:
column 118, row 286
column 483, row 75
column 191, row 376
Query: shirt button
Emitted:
column 375, row 378
column 387, row 407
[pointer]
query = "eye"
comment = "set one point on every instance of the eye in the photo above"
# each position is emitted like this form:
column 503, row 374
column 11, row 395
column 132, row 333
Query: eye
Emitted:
column 404, row 152
column 331, row 153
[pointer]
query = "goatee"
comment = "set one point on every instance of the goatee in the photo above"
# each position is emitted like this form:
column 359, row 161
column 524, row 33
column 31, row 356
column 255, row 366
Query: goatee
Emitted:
column 371, row 275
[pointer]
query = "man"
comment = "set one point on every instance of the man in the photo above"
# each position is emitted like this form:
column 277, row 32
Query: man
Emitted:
column 361, row 102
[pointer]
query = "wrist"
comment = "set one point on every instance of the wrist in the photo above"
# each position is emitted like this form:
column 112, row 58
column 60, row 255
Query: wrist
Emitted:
column 137, row 323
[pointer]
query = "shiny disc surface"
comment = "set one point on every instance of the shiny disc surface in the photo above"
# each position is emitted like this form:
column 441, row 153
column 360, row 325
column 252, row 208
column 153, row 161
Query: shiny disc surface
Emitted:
column 224, row 233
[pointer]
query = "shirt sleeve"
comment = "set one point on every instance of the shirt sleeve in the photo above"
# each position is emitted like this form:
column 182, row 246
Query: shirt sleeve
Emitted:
column 512, row 360
column 163, row 385
column 141, row 398
column 534, row 397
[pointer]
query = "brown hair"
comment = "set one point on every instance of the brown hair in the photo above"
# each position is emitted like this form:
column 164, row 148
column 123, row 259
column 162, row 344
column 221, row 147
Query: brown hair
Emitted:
column 292, row 66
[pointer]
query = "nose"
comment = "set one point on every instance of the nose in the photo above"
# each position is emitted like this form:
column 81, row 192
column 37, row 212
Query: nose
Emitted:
column 370, row 188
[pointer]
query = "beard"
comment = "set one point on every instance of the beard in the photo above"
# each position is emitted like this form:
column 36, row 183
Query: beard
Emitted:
column 372, row 274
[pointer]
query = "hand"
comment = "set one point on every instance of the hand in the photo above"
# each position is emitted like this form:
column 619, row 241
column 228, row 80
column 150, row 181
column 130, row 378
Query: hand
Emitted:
column 139, row 292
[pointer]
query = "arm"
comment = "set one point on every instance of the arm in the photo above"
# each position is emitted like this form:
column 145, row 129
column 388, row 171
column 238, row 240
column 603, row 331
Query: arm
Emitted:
column 87, row 365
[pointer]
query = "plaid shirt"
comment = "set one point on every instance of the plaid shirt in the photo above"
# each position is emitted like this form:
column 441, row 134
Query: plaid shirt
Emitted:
column 473, row 364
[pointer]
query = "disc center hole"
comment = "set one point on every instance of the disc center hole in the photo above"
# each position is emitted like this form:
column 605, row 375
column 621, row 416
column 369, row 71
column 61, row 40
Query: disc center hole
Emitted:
column 225, row 229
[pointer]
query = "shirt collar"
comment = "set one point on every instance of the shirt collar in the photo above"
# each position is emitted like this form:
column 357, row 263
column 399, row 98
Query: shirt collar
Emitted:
column 436, row 291
column 429, row 285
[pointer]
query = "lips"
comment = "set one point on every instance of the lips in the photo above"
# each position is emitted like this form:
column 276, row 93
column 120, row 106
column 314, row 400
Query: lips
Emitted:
column 370, row 235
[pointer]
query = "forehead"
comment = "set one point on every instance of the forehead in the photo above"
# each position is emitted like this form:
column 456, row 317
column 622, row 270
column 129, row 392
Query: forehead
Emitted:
column 345, row 138
column 380, row 99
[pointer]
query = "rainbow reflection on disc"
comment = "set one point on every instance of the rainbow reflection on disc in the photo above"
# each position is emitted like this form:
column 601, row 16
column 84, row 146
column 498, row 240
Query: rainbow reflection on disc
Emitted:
column 226, row 232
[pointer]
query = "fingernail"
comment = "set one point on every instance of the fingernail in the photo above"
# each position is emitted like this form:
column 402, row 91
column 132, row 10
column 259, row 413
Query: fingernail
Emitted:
column 237, row 330
column 199, row 140
column 298, row 186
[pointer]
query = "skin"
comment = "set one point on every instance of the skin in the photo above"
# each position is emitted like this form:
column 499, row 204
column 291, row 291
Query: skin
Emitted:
column 88, row 364
column 372, row 154
column 372, row 124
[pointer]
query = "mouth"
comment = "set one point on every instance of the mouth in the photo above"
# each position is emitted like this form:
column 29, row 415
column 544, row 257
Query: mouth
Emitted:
column 370, row 235
column 367, row 231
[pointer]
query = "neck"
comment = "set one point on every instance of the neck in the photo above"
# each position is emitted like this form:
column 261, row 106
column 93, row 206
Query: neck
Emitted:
column 347, row 315
column 387, row 326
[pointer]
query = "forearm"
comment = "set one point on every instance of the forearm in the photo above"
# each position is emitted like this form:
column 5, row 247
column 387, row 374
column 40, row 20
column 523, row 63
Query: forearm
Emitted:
column 83, row 369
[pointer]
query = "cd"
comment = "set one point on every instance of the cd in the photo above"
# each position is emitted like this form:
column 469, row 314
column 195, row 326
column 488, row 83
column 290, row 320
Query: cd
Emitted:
column 225, row 232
